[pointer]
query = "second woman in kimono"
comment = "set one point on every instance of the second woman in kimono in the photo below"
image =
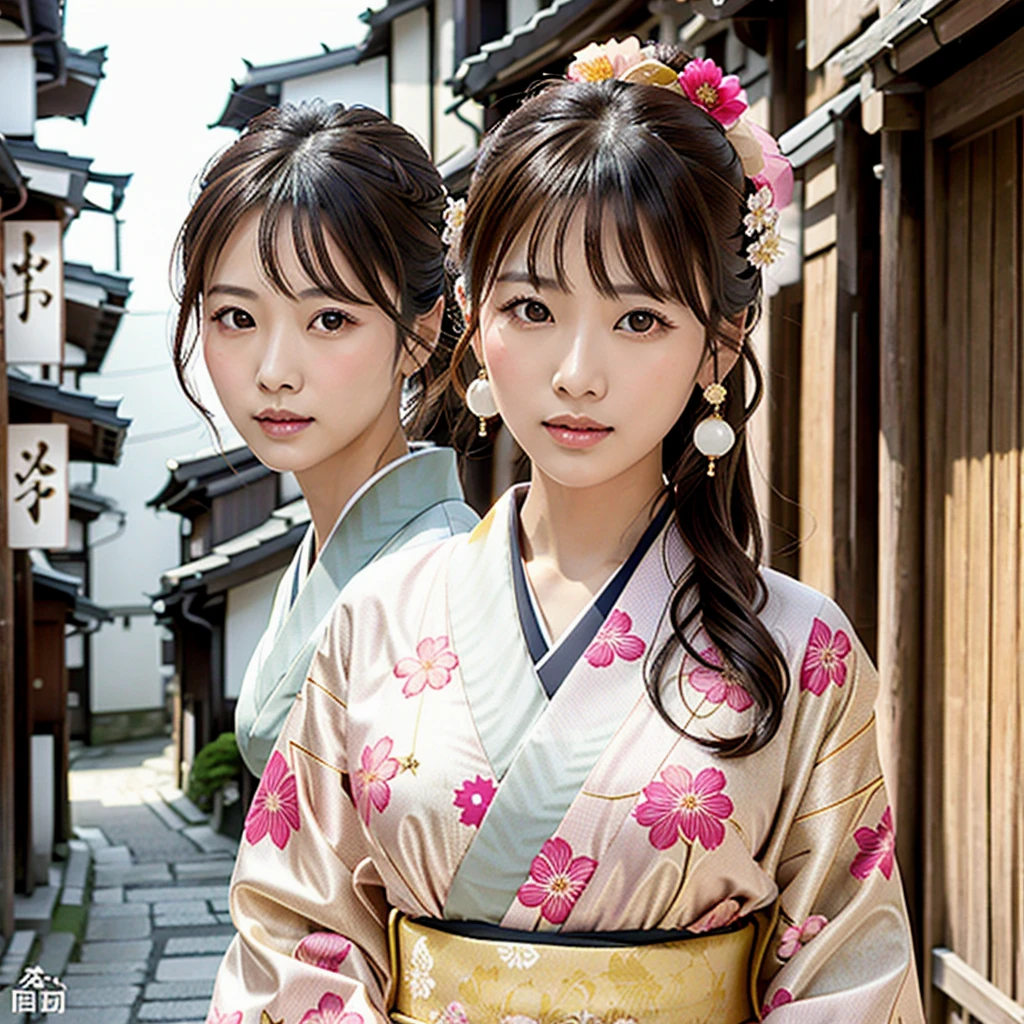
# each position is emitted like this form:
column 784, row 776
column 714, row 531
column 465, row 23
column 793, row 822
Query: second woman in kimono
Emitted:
column 313, row 277
column 592, row 762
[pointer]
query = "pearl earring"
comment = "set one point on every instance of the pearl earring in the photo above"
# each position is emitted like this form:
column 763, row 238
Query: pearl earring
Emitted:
column 714, row 437
column 480, row 400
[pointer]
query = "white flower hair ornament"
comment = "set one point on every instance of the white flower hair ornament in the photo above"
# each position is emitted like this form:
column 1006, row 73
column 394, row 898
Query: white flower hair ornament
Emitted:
column 704, row 85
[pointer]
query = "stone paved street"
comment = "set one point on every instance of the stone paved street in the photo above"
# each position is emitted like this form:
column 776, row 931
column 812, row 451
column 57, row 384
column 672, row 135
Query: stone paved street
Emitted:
column 157, row 907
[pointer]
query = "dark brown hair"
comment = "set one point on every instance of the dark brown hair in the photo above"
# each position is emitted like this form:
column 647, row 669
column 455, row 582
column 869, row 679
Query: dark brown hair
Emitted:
column 658, row 166
column 348, row 174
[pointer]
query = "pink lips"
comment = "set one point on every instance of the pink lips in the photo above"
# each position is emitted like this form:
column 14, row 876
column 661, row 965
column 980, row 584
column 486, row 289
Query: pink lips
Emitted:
column 281, row 423
column 576, row 431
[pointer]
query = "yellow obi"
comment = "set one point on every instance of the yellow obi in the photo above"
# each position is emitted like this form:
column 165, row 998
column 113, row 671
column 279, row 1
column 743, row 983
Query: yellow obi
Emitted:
column 443, row 978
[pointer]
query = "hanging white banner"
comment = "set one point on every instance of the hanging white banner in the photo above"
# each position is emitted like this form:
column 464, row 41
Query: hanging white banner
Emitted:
column 33, row 291
column 37, row 485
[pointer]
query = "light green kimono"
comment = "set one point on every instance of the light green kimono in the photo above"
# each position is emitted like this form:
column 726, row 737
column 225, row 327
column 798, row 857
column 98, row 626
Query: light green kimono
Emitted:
column 413, row 500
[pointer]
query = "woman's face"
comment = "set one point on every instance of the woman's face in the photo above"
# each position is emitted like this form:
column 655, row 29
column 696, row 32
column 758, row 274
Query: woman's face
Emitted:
column 301, row 379
column 588, row 385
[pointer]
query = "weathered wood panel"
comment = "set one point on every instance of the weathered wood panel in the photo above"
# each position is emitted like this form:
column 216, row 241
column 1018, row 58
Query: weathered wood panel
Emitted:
column 934, row 928
column 978, row 621
column 817, row 414
column 954, row 673
column 1006, row 442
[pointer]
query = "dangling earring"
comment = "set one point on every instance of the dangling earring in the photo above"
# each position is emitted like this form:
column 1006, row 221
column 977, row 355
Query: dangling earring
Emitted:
column 480, row 400
column 714, row 437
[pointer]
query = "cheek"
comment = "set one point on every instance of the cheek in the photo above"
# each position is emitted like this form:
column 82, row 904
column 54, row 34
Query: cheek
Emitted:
column 509, row 364
column 226, row 370
column 361, row 370
column 663, row 383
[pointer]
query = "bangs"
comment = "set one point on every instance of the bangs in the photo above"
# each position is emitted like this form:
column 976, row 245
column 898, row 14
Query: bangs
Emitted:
column 342, row 213
column 626, row 179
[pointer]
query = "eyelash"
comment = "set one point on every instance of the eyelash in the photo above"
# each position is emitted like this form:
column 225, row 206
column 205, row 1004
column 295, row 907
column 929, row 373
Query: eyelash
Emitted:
column 663, row 322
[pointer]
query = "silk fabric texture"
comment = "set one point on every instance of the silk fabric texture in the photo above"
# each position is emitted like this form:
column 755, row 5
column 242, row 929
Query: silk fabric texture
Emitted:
column 424, row 768
column 415, row 499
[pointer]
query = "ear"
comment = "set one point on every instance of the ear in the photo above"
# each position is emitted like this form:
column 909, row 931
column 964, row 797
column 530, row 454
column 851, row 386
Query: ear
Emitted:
column 727, row 355
column 428, row 329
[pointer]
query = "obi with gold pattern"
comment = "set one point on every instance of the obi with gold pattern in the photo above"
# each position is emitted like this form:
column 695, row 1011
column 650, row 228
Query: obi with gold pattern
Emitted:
column 442, row 977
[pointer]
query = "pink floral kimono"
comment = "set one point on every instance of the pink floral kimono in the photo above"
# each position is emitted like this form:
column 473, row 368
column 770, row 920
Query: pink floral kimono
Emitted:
column 433, row 763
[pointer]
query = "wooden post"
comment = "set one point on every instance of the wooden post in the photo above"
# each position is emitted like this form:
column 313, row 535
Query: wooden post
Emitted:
column 23, row 877
column 7, row 760
column 785, row 315
column 900, row 475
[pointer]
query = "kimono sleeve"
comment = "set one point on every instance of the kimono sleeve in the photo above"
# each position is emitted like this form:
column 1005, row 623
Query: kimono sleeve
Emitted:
column 305, row 896
column 842, row 950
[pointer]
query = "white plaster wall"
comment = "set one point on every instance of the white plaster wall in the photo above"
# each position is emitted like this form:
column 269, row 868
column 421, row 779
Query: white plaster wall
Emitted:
column 518, row 12
column 17, row 82
column 246, row 615
column 450, row 134
column 410, row 73
column 366, row 84
column 125, row 570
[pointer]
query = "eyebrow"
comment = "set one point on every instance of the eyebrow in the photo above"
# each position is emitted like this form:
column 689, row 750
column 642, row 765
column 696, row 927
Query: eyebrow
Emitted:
column 248, row 293
column 522, row 277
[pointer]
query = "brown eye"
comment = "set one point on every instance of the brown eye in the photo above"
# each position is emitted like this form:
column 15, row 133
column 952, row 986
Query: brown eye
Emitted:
column 236, row 319
column 535, row 312
column 332, row 319
column 640, row 321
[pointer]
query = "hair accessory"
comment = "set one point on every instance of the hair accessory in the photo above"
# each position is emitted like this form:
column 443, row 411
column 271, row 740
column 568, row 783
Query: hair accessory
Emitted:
column 454, row 217
column 459, row 291
column 721, row 97
column 480, row 400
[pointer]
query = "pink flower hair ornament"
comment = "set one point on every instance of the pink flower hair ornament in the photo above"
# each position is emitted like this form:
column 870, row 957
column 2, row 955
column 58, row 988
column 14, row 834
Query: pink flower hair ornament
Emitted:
column 722, row 98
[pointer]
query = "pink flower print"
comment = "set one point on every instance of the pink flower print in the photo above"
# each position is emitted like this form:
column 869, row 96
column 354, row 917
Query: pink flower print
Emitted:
column 719, row 684
column 825, row 659
column 797, row 936
column 722, row 97
column 216, row 1017
column 453, row 1013
column 781, row 997
column 614, row 638
column 720, row 916
column 275, row 807
column 877, row 848
column 556, row 880
column 474, row 797
column 370, row 781
column 681, row 806
column 326, row 950
column 331, row 1010
column 431, row 667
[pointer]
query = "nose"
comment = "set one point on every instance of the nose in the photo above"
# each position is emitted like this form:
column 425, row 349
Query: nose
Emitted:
column 278, row 368
column 581, row 373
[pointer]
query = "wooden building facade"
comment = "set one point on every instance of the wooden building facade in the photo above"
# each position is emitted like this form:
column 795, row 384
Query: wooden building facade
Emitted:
column 896, row 429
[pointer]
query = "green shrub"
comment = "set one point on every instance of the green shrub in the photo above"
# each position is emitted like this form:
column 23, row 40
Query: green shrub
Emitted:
column 215, row 765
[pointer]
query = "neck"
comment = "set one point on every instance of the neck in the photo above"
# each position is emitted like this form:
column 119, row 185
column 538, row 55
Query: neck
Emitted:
column 581, row 531
column 329, row 485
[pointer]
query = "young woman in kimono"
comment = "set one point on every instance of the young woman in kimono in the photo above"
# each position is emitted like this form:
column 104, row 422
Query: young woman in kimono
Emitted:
column 313, row 277
column 592, row 762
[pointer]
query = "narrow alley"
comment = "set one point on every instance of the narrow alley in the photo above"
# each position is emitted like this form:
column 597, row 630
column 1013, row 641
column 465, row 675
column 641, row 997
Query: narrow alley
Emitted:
column 146, row 880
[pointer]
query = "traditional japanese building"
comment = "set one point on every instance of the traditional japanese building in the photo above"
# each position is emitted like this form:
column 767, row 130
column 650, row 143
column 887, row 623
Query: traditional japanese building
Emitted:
column 240, row 526
column 896, row 432
column 56, row 323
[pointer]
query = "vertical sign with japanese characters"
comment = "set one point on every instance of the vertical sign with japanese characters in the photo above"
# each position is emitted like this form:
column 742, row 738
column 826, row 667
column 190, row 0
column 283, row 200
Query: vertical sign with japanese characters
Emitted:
column 33, row 291
column 37, row 485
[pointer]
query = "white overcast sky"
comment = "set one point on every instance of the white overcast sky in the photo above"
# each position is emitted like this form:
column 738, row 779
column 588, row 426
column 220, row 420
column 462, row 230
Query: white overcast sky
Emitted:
column 168, row 72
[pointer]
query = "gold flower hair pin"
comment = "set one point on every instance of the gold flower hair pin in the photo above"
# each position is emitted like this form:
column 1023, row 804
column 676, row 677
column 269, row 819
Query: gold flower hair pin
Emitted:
column 721, row 97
